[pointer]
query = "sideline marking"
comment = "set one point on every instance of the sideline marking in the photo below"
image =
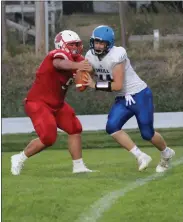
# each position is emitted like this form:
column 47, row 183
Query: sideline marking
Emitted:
column 97, row 209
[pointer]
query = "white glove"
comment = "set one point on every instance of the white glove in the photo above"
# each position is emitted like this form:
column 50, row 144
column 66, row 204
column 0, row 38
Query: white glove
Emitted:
column 129, row 100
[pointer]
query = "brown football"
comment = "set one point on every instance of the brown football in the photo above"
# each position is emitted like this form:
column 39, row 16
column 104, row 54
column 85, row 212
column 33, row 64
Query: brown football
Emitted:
column 80, row 80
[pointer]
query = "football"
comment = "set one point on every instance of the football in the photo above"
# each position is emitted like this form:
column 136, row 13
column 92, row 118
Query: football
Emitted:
column 80, row 80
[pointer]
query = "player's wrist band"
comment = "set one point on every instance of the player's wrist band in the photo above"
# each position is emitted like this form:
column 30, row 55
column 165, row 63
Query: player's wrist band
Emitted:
column 104, row 86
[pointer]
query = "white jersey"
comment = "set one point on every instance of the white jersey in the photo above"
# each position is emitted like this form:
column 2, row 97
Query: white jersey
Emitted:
column 103, row 69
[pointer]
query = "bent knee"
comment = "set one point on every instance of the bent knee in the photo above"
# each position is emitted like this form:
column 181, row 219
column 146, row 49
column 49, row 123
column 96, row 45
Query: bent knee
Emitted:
column 48, row 139
column 112, row 128
column 147, row 133
column 75, row 128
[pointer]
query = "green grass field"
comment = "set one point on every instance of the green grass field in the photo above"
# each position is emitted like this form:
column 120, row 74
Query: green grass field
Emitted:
column 48, row 191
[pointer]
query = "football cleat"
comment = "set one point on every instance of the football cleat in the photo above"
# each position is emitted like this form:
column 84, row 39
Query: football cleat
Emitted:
column 143, row 161
column 165, row 162
column 81, row 170
column 16, row 164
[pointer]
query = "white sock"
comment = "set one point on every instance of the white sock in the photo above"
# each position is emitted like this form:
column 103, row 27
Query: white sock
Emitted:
column 136, row 151
column 23, row 156
column 78, row 163
column 166, row 152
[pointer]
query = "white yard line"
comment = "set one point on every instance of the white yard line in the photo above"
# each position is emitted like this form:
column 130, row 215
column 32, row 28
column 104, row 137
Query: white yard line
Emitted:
column 105, row 203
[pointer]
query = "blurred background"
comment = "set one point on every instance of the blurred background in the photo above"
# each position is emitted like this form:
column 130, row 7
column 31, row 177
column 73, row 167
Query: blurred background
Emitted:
column 151, row 32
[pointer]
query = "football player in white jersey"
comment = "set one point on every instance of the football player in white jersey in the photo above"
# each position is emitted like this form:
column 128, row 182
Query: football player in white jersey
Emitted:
column 114, row 72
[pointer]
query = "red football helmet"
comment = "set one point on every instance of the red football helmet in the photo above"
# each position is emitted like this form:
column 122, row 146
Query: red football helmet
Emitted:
column 70, row 42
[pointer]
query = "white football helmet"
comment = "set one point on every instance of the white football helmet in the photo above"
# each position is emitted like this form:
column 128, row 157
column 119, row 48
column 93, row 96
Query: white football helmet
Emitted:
column 65, row 39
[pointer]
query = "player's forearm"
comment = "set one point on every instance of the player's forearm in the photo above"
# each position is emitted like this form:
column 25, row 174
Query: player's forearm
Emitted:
column 115, row 86
column 65, row 65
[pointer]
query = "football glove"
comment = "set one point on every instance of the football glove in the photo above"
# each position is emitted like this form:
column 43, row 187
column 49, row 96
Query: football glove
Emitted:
column 129, row 100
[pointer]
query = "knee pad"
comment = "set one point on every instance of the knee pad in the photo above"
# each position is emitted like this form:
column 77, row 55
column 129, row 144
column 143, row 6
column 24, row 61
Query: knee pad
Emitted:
column 147, row 132
column 75, row 128
column 112, row 127
column 48, row 139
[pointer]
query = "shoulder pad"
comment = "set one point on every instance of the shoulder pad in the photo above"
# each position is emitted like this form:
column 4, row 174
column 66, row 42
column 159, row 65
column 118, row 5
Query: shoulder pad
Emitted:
column 58, row 53
column 118, row 54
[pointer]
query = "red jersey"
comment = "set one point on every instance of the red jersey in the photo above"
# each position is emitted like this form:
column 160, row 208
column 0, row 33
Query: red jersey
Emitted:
column 51, row 84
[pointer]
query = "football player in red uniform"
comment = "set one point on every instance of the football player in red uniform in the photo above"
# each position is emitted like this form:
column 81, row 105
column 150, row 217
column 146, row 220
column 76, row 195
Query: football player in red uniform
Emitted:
column 45, row 103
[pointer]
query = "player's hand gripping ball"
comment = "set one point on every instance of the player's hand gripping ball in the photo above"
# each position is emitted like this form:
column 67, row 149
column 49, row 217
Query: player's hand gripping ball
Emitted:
column 80, row 80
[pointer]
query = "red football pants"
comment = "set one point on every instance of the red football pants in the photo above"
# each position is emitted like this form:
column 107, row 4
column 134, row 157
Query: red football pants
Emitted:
column 46, row 120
